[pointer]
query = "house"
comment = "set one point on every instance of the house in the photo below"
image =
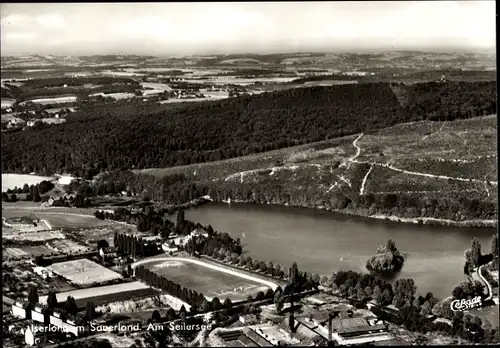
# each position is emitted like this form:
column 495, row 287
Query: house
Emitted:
column 21, row 310
column 107, row 252
column 166, row 248
column 56, row 319
column 33, row 338
column 354, row 331
column 40, row 314
column 73, row 326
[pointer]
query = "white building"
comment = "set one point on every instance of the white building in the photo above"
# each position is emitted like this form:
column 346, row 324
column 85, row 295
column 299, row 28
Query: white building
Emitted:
column 166, row 248
column 38, row 314
column 19, row 310
column 55, row 319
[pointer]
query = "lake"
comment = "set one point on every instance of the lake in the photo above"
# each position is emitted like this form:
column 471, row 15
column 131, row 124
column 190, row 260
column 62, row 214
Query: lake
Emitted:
column 324, row 242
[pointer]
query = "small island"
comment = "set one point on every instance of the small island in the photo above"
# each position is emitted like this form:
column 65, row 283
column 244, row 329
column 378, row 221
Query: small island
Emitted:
column 387, row 261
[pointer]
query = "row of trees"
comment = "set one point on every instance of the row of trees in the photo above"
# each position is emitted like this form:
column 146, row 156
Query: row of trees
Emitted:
column 41, row 188
column 196, row 300
column 130, row 245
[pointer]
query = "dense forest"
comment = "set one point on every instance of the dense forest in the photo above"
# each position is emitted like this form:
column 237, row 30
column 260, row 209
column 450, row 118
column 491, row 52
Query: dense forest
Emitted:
column 130, row 137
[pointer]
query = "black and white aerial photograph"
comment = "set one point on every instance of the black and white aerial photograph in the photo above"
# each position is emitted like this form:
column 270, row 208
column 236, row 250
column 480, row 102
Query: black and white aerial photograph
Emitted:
column 249, row 174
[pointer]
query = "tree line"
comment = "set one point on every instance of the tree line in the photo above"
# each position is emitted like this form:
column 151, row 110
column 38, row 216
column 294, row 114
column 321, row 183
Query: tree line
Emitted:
column 413, row 311
column 135, row 246
column 196, row 300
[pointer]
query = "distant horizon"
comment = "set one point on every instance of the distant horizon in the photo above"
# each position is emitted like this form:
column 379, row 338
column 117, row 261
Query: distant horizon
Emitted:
column 185, row 29
column 445, row 50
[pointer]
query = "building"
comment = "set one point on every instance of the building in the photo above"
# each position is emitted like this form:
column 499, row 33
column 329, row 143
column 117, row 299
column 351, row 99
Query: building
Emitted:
column 21, row 310
column 40, row 314
column 166, row 248
column 356, row 331
column 56, row 319
column 72, row 325
column 107, row 252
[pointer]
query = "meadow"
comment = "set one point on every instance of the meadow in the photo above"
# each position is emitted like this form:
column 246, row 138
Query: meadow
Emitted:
column 55, row 100
column 72, row 220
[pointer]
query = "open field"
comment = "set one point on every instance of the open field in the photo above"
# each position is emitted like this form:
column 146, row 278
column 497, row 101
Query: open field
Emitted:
column 93, row 235
column 13, row 234
column 115, row 96
column 206, row 279
column 10, row 181
column 328, row 82
column 83, row 272
column 67, row 246
column 69, row 220
column 105, row 294
column 55, row 100
column 7, row 103
column 26, row 251
column 156, row 86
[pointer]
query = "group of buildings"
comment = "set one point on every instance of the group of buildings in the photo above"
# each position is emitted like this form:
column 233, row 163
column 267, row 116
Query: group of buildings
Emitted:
column 45, row 320
column 304, row 331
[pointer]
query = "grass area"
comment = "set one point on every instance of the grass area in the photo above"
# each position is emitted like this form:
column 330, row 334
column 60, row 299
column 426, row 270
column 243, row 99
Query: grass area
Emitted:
column 32, row 236
column 209, row 282
column 60, row 220
column 26, row 251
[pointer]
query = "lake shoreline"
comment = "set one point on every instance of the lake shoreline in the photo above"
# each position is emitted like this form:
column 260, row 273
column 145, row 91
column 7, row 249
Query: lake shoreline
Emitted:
column 391, row 218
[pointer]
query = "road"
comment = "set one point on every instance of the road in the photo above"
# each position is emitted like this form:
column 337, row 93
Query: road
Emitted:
column 478, row 276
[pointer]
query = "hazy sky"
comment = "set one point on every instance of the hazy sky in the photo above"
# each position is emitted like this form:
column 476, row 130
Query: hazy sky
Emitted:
column 185, row 28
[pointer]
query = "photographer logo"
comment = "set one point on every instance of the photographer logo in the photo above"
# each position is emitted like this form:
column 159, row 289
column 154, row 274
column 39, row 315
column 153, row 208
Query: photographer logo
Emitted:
column 463, row 305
